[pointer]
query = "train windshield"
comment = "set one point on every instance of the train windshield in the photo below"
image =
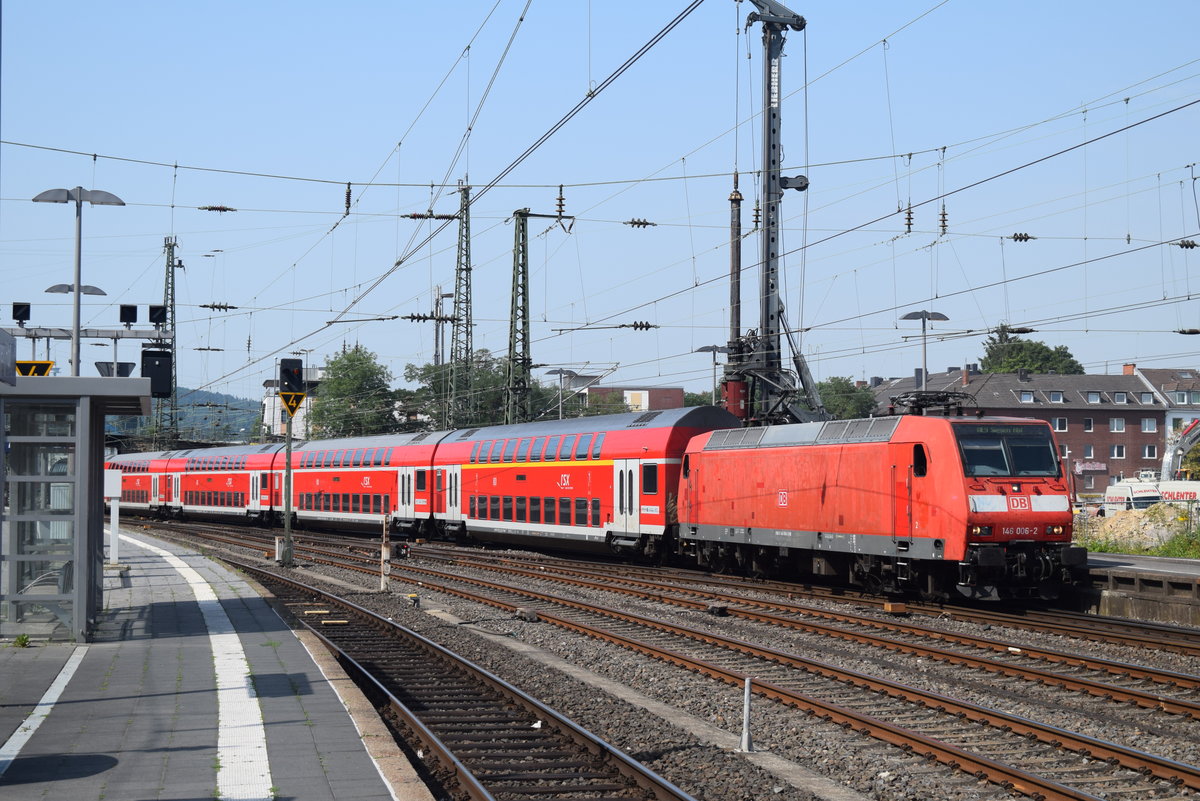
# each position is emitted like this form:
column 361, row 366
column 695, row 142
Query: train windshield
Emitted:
column 1007, row 450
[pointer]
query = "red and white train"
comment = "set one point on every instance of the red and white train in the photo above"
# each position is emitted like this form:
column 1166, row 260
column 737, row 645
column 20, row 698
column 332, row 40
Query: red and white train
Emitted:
column 899, row 504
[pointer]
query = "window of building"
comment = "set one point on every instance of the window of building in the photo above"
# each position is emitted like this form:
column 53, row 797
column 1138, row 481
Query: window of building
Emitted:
column 1060, row 424
column 1146, row 397
column 1149, row 451
column 1093, row 397
column 1181, row 397
column 1089, row 482
column 1149, row 425
column 1120, row 397
column 1116, row 452
column 1088, row 424
column 1027, row 396
column 1116, row 424
column 1063, row 450
column 1056, row 397
column 1089, row 452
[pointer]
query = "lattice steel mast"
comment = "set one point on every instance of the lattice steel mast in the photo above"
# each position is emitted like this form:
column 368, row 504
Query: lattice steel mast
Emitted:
column 462, row 347
column 166, row 423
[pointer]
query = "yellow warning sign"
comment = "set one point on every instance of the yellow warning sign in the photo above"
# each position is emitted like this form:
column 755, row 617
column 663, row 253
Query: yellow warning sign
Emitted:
column 34, row 368
column 292, row 401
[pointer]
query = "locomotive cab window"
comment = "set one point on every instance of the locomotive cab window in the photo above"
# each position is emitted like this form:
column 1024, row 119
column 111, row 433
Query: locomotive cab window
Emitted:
column 920, row 461
column 1007, row 450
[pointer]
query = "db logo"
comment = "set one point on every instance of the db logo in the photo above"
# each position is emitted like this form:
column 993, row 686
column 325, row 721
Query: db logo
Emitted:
column 781, row 498
column 1018, row 503
column 229, row 481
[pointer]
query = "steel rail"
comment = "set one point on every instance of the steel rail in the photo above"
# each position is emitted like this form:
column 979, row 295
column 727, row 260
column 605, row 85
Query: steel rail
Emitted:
column 658, row 787
column 663, row 594
column 1168, row 770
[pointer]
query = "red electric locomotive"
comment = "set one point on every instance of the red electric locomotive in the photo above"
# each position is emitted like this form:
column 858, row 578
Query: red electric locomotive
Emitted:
column 895, row 504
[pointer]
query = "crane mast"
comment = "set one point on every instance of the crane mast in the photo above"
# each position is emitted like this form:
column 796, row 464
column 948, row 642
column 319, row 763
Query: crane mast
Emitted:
column 755, row 370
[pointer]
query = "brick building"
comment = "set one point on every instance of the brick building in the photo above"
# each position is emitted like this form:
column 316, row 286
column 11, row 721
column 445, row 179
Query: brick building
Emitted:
column 1108, row 426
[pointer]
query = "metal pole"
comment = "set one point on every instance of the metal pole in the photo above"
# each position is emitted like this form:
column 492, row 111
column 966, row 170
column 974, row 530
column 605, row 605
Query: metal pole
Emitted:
column 115, row 373
column 560, row 391
column 287, row 560
column 924, row 354
column 114, row 524
column 385, row 554
column 78, row 280
column 746, row 745
column 714, row 400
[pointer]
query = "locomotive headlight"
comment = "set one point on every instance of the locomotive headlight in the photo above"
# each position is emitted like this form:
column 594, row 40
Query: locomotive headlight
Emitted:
column 1054, row 530
column 981, row 531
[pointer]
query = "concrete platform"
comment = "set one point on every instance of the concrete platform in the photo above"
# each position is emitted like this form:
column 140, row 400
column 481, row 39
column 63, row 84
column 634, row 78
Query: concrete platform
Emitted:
column 193, row 688
column 1153, row 588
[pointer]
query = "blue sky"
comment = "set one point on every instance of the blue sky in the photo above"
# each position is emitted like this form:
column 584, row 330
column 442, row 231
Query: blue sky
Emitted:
column 270, row 108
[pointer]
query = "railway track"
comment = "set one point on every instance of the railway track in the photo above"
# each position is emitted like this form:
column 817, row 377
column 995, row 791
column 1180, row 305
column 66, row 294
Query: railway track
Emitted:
column 1010, row 752
column 491, row 740
column 1038, row 760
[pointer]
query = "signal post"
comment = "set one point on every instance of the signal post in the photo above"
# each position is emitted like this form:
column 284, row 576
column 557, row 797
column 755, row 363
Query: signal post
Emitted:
column 291, row 395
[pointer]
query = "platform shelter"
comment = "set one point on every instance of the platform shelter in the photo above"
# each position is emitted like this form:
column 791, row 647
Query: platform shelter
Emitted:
column 52, row 520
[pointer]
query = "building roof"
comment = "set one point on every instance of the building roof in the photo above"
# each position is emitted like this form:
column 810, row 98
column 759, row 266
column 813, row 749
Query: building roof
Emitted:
column 1174, row 379
column 1041, row 391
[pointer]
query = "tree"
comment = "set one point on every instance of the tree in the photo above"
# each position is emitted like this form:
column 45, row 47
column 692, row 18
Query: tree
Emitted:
column 355, row 397
column 431, row 398
column 697, row 399
column 844, row 400
column 1007, row 353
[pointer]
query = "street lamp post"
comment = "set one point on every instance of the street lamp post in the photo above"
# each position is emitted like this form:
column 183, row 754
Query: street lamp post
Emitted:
column 97, row 197
column 924, row 315
column 561, row 373
column 714, row 350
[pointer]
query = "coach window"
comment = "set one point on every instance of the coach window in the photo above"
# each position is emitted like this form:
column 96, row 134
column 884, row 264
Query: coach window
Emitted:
column 581, row 450
column 552, row 449
column 420, row 481
column 523, row 450
column 507, row 507
column 345, row 502
column 328, row 460
column 475, row 453
column 535, row 455
column 497, row 448
column 564, row 511
column 581, row 511
column 356, row 503
column 520, row 509
column 494, row 507
column 564, row 452
column 510, row 447
column 595, row 512
column 549, row 507
column 535, row 510
column 471, row 506
column 649, row 479
column 596, row 446
column 920, row 463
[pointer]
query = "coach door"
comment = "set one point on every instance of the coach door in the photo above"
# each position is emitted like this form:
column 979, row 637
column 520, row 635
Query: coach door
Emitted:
column 902, row 480
column 405, row 504
column 626, row 495
column 447, row 483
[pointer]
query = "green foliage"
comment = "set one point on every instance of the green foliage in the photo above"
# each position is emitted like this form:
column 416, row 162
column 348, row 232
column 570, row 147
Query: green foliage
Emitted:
column 844, row 400
column 485, row 403
column 698, row 399
column 355, row 397
column 1008, row 353
column 21, row 641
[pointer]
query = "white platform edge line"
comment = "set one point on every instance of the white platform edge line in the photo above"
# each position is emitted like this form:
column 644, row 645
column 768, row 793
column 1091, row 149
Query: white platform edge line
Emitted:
column 12, row 748
column 244, row 770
